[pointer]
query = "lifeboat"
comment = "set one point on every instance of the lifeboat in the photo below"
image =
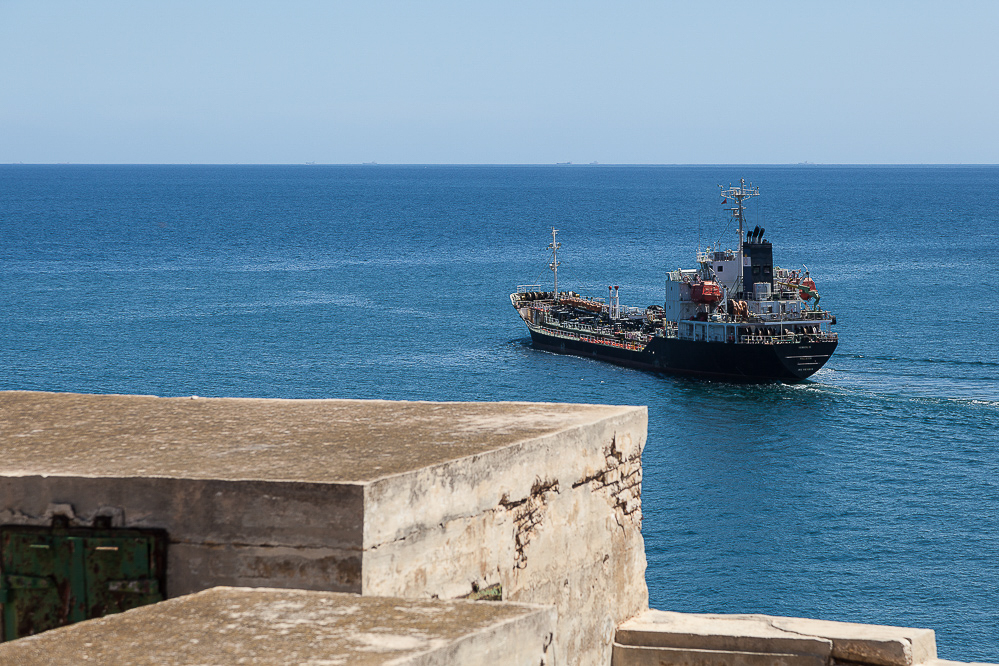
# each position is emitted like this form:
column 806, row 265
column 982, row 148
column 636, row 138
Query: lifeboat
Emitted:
column 809, row 289
column 705, row 292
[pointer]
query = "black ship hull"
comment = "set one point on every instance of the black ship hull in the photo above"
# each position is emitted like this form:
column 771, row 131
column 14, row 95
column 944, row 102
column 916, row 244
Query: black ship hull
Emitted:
column 750, row 363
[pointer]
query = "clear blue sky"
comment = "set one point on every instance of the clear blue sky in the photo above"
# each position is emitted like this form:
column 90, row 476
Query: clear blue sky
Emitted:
column 499, row 82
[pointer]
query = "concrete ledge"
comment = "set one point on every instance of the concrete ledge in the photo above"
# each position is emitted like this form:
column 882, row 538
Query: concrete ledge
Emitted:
column 310, row 441
column 746, row 633
column 388, row 499
column 827, row 641
column 265, row 626
column 869, row 643
column 630, row 655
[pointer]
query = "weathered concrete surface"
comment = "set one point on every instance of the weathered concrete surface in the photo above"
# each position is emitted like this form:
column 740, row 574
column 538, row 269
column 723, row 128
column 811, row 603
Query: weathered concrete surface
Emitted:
column 747, row 633
column 311, row 441
column 664, row 656
column 383, row 498
column 681, row 638
column 243, row 533
column 869, row 643
column 556, row 520
column 265, row 626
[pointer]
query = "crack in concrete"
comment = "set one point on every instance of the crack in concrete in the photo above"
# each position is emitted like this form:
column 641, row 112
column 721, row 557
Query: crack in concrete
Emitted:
column 529, row 514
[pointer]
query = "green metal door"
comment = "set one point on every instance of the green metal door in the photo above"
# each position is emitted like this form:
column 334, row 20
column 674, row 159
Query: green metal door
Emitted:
column 50, row 577
column 120, row 574
column 35, row 588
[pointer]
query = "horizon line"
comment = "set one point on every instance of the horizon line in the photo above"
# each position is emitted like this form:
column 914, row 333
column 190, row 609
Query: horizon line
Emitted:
column 522, row 164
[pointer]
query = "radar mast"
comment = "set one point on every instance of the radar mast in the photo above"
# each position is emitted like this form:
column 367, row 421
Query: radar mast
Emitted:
column 740, row 194
column 554, row 246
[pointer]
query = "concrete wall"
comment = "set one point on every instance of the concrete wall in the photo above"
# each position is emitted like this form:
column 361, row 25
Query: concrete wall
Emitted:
column 555, row 520
column 418, row 500
column 660, row 637
column 277, row 627
column 242, row 533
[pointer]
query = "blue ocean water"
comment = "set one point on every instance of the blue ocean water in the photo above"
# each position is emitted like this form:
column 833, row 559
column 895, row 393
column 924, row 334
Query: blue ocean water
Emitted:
column 868, row 494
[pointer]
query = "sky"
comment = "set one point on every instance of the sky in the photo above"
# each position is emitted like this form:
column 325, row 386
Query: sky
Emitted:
column 511, row 82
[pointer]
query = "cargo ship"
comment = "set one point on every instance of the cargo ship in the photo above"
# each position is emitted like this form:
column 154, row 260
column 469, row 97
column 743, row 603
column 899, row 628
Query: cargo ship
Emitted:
column 737, row 317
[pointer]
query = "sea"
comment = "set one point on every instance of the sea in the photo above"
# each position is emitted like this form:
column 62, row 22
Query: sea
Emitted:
column 869, row 493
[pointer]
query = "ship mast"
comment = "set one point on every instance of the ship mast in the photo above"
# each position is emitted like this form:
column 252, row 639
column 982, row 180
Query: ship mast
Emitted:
column 554, row 246
column 740, row 194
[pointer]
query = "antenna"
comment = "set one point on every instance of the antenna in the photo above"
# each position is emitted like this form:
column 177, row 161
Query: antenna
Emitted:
column 554, row 246
column 740, row 194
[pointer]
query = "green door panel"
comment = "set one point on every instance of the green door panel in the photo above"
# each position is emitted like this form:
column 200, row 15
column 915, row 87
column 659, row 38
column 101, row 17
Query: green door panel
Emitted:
column 50, row 577
column 112, row 562
column 44, row 603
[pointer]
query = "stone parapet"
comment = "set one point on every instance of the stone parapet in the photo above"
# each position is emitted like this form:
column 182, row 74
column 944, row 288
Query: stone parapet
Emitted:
column 401, row 499
column 267, row 627
column 661, row 637
column 551, row 521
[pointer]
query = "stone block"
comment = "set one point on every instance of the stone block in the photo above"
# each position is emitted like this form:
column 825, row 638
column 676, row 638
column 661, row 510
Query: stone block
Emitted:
column 630, row 655
column 868, row 643
column 746, row 633
column 276, row 627
column 825, row 640
column 404, row 499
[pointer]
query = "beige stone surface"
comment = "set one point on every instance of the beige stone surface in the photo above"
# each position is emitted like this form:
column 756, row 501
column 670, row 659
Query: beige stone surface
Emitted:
column 318, row 441
column 264, row 626
column 555, row 520
column 869, row 643
column 747, row 633
column 417, row 500
column 841, row 641
column 629, row 655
